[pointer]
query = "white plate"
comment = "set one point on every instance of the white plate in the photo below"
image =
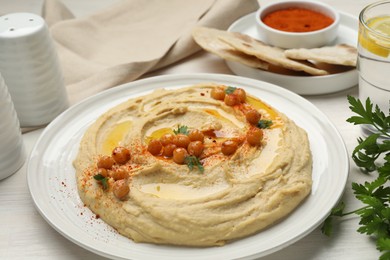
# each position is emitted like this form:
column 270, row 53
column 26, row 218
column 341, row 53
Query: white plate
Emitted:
column 51, row 177
column 303, row 85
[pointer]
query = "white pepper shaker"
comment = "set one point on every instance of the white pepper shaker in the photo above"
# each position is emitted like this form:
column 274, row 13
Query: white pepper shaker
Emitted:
column 12, row 153
column 30, row 68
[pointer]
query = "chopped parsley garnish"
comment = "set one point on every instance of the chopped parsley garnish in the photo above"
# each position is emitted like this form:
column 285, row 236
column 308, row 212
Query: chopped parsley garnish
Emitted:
column 193, row 161
column 230, row 90
column 264, row 124
column 181, row 129
column 103, row 180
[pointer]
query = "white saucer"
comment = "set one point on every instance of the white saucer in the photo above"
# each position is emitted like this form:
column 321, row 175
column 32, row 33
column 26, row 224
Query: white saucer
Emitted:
column 303, row 85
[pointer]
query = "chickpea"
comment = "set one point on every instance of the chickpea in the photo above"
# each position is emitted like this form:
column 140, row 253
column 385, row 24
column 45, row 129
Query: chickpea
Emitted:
column 253, row 116
column 196, row 135
column 254, row 136
column 231, row 100
column 119, row 174
column 167, row 139
column 121, row 155
column 195, row 148
column 155, row 147
column 168, row 150
column 229, row 147
column 120, row 189
column 103, row 172
column 218, row 93
column 241, row 94
column 182, row 140
column 179, row 155
column 105, row 162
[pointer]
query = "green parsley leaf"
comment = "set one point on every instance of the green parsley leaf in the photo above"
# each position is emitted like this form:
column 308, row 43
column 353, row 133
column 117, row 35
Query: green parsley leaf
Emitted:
column 181, row 129
column 230, row 90
column 327, row 227
column 192, row 162
column 368, row 151
column 263, row 124
column 366, row 114
column 385, row 256
column 383, row 245
column 103, row 180
column 338, row 210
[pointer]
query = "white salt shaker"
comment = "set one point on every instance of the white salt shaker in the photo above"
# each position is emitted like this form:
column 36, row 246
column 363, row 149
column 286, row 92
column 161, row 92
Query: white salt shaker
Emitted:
column 12, row 153
column 30, row 68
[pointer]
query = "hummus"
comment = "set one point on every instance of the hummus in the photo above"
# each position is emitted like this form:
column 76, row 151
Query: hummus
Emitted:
column 231, row 187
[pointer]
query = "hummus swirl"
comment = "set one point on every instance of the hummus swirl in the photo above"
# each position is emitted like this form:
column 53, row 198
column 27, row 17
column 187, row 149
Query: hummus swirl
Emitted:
column 233, row 196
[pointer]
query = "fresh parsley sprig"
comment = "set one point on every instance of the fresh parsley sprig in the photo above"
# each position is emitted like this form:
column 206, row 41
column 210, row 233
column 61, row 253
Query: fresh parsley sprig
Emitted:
column 371, row 148
column 181, row 129
column 103, row 180
column 375, row 195
column 230, row 90
column 192, row 162
column 263, row 124
column 369, row 115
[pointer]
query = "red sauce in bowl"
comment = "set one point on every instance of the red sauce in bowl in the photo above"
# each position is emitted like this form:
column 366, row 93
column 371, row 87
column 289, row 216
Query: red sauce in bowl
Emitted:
column 297, row 20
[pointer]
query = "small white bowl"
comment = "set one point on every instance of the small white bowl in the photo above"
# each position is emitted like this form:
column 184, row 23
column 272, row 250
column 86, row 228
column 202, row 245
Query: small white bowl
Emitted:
column 290, row 40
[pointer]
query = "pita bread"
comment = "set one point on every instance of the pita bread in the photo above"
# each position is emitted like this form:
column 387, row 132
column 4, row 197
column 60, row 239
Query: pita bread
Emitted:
column 267, row 53
column 341, row 54
column 207, row 38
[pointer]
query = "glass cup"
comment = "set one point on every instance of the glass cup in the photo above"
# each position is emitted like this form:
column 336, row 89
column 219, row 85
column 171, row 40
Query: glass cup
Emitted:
column 373, row 57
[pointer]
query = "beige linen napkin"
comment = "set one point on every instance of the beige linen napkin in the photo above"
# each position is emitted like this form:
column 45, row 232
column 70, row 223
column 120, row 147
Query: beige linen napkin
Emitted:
column 131, row 37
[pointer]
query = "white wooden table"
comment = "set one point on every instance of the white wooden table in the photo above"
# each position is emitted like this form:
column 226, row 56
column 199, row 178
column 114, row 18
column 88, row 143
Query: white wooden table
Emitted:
column 24, row 234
